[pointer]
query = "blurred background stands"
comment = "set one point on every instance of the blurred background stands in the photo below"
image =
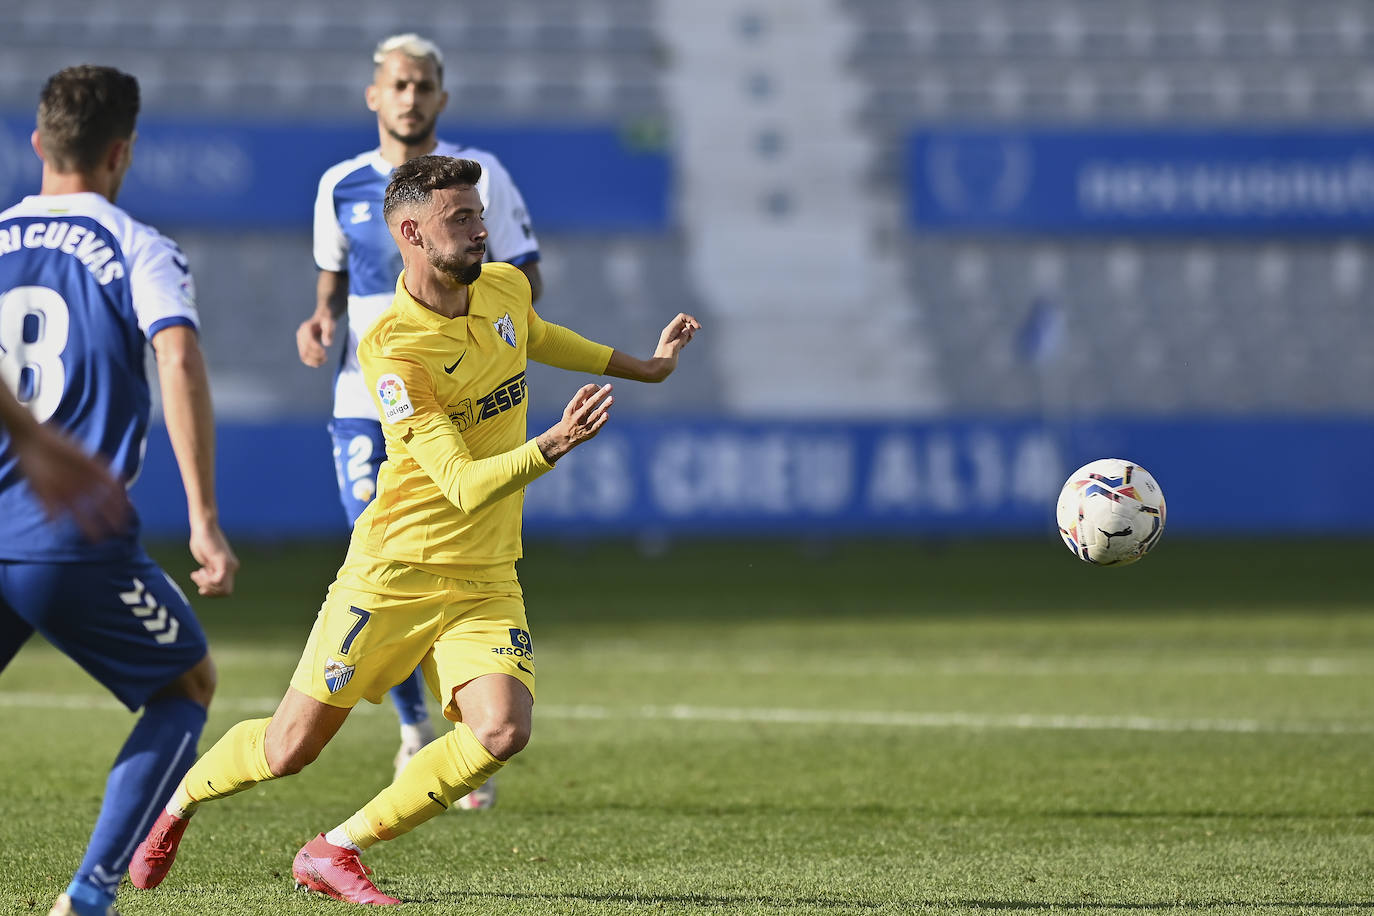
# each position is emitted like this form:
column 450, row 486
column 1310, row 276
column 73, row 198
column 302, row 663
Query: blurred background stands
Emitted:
column 1201, row 324
column 1183, row 325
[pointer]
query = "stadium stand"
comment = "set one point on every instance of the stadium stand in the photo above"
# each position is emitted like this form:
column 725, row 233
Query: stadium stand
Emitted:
column 1202, row 324
column 592, row 61
column 1191, row 325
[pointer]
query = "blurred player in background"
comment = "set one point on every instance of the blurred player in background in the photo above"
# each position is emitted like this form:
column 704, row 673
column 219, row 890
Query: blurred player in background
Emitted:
column 83, row 289
column 359, row 263
column 430, row 575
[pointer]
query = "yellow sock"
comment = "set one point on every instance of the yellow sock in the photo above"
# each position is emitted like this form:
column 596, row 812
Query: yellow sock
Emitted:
column 443, row 772
column 238, row 761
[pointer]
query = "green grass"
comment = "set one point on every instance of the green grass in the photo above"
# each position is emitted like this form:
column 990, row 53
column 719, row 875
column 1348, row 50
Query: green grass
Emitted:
column 874, row 728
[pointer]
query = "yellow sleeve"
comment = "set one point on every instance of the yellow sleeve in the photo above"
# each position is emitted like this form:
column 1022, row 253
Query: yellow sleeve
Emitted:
column 555, row 345
column 471, row 483
column 414, row 424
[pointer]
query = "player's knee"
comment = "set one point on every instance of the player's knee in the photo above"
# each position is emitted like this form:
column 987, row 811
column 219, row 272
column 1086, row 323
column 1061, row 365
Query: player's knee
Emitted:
column 197, row 685
column 289, row 765
column 203, row 679
column 503, row 738
column 290, row 759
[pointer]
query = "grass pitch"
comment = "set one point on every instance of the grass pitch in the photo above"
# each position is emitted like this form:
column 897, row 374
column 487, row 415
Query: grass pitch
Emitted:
column 758, row 728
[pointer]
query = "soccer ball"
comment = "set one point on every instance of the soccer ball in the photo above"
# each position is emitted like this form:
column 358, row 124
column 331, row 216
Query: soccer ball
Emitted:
column 1111, row 512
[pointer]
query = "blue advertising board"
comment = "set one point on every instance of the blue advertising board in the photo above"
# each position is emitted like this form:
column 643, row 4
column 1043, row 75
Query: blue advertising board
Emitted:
column 1294, row 181
column 932, row 478
column 218, row 174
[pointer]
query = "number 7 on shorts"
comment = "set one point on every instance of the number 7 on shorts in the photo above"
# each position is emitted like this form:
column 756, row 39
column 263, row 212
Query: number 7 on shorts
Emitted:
column 363, row 617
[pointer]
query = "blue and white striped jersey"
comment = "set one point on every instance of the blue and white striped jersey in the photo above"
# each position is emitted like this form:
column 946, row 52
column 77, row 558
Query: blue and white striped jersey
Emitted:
column 352, row 237
column 83, row 288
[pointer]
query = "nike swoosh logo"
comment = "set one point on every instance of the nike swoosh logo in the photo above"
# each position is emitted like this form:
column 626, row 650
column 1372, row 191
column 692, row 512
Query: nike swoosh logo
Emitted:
column 449, row 369
column 437, row 800
column 521, row 666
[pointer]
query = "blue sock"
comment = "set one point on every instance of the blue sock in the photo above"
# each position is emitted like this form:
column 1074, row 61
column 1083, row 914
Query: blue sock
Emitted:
column 409, row 697
column 160, row 750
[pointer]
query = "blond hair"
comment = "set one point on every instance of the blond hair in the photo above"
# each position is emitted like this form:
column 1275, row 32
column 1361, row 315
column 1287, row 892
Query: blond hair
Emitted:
column 411, row 45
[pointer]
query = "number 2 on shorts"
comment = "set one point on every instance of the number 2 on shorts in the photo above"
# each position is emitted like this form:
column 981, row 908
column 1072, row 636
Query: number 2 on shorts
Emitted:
column 363, row 617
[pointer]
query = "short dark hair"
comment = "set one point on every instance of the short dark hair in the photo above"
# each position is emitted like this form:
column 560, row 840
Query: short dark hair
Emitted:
column 415, row 180
column 81, row 111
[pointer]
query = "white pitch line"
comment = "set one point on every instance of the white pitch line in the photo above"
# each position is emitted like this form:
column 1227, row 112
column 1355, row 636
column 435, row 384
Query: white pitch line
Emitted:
column 783, row 716
column 79, row 701
column 964, row 720
column 984, row 666
column 630, row 658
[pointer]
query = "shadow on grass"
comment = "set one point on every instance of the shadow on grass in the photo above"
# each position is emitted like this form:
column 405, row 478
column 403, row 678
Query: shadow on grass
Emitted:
column 919, row 813
column 781, row 904
column 1208, row 815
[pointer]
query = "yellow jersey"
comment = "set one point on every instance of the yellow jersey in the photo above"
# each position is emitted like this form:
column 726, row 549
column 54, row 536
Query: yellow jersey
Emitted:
column 451, row 393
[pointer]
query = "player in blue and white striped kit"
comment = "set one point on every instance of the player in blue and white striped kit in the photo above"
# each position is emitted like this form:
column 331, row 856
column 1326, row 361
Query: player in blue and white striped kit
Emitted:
column 359, row 264
column 83, row 289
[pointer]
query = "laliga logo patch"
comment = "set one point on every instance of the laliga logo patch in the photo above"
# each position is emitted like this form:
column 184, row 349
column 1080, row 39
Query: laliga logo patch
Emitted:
column 187, row 292
column 336, row 675
column 506, row 328
column 520, row 645
column 395, row 401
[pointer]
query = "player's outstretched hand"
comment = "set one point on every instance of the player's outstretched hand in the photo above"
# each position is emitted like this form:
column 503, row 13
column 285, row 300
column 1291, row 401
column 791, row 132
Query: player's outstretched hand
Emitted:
column 313, row 338
column 675, row 336
column 69, row 482
column 211, row 550
column 583, row 418
column 658, row 367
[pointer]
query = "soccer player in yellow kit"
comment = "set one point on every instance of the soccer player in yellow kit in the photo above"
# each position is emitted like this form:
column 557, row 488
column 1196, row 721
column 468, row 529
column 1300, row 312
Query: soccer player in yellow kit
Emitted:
column 430, row 573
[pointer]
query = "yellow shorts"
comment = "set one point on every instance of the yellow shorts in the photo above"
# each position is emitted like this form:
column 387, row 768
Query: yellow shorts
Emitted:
column 381, row 620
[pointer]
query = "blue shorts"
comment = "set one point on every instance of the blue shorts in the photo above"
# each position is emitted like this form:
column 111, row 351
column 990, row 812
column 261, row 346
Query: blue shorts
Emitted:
column 123, row 620
column 359, row 450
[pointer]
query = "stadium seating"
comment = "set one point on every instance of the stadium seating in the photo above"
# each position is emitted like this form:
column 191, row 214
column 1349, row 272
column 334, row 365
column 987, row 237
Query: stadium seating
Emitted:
column 1189, row 324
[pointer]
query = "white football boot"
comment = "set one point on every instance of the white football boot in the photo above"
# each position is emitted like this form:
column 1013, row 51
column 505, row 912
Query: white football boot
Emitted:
column 412, row 740
column 62, row 906
column 480, row 798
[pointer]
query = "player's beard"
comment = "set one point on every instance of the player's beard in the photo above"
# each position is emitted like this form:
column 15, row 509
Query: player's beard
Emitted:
column 118, row 181
column 453, row 266
column 415, row 138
